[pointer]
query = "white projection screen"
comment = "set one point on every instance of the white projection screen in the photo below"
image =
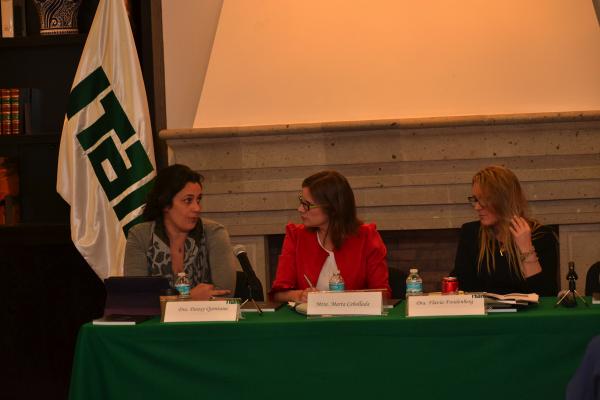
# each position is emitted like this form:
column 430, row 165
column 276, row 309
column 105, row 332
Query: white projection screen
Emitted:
column 301, row 61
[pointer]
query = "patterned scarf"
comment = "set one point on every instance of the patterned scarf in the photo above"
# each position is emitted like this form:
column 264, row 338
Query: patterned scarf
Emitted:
column 195, row 262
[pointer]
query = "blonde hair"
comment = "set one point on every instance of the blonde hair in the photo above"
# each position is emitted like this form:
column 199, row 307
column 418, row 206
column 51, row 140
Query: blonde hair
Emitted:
column 502, row 195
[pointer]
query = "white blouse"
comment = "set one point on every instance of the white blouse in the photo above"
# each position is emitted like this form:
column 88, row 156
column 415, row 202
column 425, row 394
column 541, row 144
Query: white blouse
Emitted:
column 329, row 268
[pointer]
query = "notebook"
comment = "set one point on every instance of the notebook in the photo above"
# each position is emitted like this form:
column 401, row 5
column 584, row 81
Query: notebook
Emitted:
column 118, row 319
column 134, row 295
column 265, row 306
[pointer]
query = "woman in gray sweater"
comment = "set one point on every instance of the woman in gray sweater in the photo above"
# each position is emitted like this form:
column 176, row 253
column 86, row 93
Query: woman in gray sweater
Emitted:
column 175, row 238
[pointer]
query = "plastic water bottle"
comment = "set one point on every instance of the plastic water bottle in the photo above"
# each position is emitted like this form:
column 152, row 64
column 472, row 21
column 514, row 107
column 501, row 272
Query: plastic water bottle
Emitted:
column 414, row 283
column 336, row 282
column 182, row 284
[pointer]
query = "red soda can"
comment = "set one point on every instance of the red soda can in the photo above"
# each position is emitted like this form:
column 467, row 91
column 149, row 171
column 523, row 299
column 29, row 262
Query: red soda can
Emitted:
column 449, row 285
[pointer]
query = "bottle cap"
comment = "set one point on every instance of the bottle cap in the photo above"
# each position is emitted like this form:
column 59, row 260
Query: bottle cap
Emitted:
column 169, row 292
column 414, row 270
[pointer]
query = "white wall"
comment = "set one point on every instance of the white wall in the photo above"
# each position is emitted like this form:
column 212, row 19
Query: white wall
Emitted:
column 291, row 61
column 188, row 31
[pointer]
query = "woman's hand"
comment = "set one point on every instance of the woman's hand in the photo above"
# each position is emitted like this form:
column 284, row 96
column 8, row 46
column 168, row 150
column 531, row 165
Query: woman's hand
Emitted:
column 204, row 291
column 521, row 232
column 303, row 295
column 298, row 296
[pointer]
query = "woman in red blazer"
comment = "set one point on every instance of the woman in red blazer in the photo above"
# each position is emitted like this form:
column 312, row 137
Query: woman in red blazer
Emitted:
column 330, row 239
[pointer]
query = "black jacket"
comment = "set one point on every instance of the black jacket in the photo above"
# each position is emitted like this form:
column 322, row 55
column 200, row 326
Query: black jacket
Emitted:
column 501, row 280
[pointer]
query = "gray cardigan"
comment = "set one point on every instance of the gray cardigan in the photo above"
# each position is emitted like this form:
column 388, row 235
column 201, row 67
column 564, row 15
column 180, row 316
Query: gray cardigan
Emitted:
column 223, row 263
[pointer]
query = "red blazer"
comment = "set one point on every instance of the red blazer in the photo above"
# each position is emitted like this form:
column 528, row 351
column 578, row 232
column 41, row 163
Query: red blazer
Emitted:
column 360, row 260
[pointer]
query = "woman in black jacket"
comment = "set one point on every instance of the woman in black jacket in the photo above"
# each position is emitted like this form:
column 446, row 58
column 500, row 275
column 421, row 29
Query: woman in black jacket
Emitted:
column 505, row 251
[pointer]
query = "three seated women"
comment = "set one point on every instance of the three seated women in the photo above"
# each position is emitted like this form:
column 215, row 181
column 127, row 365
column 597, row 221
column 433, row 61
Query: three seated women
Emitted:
column 504, row 251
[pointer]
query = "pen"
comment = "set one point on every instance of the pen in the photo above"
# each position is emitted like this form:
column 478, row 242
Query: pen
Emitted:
column 308, row 281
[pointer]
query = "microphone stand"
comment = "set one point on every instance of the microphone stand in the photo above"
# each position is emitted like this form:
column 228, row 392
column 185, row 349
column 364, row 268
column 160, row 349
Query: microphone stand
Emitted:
column 260, row 311
column 252, row 280
column 571, row 277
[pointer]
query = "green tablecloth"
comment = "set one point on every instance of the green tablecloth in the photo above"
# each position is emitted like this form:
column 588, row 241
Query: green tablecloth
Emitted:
column 530, row 354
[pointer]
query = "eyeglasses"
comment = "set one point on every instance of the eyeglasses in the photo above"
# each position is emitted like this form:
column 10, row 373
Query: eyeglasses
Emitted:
column 307, row 205
column 474, row 201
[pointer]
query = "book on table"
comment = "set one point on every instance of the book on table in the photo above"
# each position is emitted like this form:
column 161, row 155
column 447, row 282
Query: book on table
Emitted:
column 265, row 306
column 509, row 302
column 530, row 298
column 500, row 310
column 121, row 319
column 391, row 303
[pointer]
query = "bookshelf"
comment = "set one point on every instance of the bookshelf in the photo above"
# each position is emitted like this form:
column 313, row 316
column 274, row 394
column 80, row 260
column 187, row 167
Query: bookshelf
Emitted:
column 47, row 64
column 51, row 289
column 37, row 157
column 37, row 255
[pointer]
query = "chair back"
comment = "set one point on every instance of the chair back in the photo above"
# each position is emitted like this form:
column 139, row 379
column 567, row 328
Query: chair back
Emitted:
column 592, row 279
column 397, row 280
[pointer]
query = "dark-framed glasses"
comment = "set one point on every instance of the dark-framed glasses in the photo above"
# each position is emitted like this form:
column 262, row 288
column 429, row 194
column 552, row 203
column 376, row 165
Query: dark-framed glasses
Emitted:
column 307, row 205
column 474, row 201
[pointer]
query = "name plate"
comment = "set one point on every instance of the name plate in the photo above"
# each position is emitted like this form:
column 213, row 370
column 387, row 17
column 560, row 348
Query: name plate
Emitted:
column 440, row 305
column 345, row 303
column 201, row 311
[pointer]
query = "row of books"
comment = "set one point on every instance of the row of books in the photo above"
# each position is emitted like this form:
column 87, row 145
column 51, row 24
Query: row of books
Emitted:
column 9, row 191
column 19, row 111
column 10, row 119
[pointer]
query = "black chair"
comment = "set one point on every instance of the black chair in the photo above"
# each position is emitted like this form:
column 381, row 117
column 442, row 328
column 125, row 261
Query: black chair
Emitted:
column 592, row 279
column 397, row 279
column 242, row 288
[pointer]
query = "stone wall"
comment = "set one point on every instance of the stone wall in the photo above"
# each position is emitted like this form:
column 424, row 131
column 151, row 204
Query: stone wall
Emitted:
column 409, row 174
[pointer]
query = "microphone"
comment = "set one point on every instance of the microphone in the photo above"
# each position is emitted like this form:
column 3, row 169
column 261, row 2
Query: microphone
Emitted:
column 253, row 283
column 568, row 298
column 240, row 252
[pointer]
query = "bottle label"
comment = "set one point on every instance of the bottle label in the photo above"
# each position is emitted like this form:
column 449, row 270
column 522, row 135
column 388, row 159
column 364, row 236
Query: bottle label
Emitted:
column 183, row 289
column 337, row 286
column 414, row 287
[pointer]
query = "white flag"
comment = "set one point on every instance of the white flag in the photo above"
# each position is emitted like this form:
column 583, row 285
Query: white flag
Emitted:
column 106, row 160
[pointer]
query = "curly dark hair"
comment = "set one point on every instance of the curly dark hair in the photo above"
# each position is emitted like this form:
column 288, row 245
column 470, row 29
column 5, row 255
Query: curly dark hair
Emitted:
column 331, row 190
column 168, row 182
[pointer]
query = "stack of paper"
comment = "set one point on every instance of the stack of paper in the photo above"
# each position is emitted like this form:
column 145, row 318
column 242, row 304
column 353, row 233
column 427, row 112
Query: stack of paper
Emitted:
column 509, row 302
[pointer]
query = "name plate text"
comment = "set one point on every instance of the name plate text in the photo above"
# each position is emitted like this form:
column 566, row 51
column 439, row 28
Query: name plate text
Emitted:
column 201, row 311
column 445, row 305
column 345, row 303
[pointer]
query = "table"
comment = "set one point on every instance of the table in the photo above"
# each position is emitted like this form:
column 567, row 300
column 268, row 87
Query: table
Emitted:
column 529, row 354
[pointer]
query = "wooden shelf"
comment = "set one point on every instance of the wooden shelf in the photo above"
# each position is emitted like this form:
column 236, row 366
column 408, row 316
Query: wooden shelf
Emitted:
column 43, row 228
column 35, row 234
column 15, row 140
column 39, row 41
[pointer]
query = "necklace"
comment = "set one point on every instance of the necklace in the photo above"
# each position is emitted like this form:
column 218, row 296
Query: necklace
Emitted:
column 323, row 240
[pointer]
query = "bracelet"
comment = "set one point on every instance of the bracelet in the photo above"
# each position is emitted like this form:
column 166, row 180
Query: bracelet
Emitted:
column 526, row 254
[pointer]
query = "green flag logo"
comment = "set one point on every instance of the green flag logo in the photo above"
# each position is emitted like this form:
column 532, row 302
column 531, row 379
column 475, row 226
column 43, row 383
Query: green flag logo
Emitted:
column 100, row 148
